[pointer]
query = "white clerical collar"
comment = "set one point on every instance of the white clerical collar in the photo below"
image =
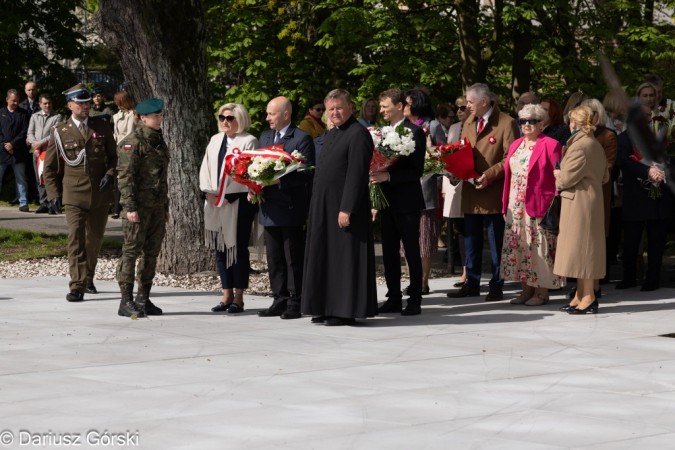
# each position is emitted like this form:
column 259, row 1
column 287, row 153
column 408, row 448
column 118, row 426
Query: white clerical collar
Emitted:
column 77, row 122
column 283, row 131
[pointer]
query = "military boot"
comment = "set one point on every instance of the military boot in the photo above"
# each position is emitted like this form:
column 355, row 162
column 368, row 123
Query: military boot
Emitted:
column 127, row 306
column 143, row 302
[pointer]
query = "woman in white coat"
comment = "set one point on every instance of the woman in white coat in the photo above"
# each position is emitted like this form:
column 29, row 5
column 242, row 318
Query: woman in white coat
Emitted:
column 228, row 226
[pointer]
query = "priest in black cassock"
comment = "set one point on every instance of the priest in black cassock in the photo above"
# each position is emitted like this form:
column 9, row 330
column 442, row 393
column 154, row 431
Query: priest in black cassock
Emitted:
column 339, row 282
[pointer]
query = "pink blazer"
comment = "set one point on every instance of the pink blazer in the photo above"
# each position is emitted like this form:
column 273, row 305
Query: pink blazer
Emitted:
column 540, row 179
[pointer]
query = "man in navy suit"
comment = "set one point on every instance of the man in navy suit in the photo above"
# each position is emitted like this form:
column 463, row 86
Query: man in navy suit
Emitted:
column 13, row 147
column 401, row 219
column 283, row 213
column 31, row 104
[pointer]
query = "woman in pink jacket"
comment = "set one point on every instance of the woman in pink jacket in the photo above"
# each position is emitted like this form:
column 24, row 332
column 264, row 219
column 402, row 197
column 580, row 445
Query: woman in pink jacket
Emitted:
column 529, row 186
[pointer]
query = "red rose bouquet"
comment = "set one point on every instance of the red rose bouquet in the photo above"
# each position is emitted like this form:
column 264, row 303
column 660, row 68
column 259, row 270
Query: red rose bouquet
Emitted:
column 257, row 168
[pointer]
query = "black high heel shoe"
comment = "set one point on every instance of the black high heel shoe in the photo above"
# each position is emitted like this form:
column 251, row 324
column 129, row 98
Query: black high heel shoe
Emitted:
column 591, row 309
column 566, row 308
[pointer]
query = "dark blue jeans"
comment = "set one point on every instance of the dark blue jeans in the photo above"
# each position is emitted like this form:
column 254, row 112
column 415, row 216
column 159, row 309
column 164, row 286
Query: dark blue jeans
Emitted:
column 473, row 244
column 236, row 276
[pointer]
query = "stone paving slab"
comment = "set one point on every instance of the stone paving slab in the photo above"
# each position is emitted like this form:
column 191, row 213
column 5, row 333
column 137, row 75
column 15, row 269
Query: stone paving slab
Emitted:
column 465, row 374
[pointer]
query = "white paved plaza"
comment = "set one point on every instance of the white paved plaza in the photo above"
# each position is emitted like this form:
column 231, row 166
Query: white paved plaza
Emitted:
column 463, row 375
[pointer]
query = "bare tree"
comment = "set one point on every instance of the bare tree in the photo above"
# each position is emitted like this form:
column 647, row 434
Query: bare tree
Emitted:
column 161, row 46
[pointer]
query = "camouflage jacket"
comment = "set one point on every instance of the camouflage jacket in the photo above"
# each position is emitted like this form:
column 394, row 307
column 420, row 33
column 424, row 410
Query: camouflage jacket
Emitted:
column 142, row 167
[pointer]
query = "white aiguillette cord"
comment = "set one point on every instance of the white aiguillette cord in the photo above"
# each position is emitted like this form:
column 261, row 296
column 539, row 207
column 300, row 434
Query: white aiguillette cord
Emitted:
column 82, row 156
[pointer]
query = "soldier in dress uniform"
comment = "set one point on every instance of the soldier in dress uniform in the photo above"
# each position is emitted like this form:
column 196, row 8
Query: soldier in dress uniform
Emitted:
column 143, row 164
column 82, row 149
column 99, row 107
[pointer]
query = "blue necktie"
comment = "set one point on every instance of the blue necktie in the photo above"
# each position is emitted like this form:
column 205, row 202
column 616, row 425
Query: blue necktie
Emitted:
column 277, row 137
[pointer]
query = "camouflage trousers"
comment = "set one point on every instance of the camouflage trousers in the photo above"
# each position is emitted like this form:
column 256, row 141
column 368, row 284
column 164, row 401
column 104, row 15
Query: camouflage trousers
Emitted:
column 142, row 240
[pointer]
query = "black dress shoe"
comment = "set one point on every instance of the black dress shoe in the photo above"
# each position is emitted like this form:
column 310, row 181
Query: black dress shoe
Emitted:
column 411, row 310
column 339, row 321
column 319, row 319
column 465, row 291
column 221, row 307
column 459, row 284
column 625, row 284
column 592, row 309
column 425, row 291
column 52, row 211
column 292, row 312
column 235, row 308
column 75, row 296
column 649, row 286
column 272, row 311
column 393, row 305
column 43, row 209
column 24, row 208
column 90, row 289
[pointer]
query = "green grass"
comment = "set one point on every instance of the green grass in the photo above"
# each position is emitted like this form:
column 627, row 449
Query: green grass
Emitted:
column 25, row 244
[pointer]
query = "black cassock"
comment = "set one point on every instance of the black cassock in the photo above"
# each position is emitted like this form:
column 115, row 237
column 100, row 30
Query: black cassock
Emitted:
column 339, row 272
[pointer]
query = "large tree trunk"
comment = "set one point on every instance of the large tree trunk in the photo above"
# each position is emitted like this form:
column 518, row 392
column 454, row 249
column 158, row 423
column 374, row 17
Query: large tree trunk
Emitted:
column 473, row 68
column 161, row 45
column 520, row 67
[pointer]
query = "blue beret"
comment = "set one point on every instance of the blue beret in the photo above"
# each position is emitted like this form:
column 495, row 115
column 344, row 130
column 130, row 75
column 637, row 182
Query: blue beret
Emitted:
column 154, row 105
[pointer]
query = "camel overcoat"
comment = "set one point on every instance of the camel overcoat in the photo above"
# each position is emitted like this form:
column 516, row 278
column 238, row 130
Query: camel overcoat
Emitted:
column 607, row 139
column 581, row 243
column 490, row 148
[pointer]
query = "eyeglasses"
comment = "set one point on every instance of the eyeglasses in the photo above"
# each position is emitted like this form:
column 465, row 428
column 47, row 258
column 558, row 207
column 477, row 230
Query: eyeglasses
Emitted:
column 223, row 118
column 462, row 108
column 530, row 121
column 319, row 109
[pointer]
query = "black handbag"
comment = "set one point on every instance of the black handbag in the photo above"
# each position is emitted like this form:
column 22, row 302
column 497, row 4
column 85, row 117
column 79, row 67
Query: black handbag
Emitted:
column 551, row 220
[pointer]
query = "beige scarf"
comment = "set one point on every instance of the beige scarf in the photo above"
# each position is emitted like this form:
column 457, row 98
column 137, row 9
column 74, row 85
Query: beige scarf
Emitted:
column 220, row 223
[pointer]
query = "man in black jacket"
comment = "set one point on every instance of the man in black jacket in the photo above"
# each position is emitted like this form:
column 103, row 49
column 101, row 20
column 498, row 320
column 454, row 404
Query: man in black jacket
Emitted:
column 284, row 213
column 31, row 104
column 13, row 148
column 401, row 219
column 647, row 203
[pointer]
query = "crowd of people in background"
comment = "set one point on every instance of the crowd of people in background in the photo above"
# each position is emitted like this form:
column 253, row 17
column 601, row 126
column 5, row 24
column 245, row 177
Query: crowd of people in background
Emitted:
column 580, row 152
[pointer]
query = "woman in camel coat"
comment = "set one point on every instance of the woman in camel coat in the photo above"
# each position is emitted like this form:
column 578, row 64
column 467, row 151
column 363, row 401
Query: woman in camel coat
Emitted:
column 581, row 243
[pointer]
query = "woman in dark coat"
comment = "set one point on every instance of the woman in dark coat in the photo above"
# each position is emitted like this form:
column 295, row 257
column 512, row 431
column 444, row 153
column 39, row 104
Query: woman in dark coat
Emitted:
column 339, row 273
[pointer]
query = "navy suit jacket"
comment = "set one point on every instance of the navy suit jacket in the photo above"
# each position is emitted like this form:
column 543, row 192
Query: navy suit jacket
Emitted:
column 36, row 106
column 13, row 130
column 404, row 190
column 287, row 203
column 636, row 202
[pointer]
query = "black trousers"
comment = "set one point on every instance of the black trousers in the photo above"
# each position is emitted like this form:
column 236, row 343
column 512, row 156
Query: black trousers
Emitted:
column 656, row 244
column 397, row 228
column 285, row 248
column 236, row 276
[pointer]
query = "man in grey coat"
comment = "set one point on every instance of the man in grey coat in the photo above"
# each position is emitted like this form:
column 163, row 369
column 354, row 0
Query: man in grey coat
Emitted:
column 40, row 125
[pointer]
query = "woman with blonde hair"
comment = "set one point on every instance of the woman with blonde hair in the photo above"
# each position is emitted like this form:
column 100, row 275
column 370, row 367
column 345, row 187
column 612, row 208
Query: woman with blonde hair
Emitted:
column 581, row 245
column 607, row 139
column 615, row 110
column 646, row 93
column 228, row 222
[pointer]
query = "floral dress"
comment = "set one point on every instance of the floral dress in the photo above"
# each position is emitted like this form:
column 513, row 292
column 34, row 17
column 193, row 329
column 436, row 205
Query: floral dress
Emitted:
column 528, row 253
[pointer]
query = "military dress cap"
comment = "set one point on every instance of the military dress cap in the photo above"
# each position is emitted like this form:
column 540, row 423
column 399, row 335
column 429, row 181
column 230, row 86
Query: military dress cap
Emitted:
column 96, row 90
column 77, row 93
column 154, row 105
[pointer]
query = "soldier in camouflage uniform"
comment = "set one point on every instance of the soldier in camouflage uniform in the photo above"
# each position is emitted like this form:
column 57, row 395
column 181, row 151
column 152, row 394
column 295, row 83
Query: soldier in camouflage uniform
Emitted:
column 142, row 165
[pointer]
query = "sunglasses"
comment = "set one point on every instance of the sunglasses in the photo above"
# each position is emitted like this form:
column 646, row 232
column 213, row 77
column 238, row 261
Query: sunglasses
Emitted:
column 462, row 108
column 319, row 109
column 223, row 118
column 530, row 121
